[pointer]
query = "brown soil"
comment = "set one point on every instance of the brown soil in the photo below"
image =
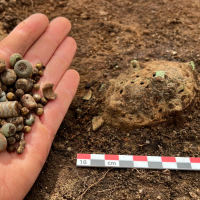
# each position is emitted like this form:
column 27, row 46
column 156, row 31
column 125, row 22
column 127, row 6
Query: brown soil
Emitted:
column 111, row 33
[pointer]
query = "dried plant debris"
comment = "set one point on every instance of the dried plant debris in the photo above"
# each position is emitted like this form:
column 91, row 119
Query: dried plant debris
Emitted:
column 147, row 95
column 18, row 105
column 47, row 91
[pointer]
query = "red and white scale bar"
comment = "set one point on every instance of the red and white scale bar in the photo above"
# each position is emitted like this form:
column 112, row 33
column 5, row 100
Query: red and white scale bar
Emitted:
column 131, row 161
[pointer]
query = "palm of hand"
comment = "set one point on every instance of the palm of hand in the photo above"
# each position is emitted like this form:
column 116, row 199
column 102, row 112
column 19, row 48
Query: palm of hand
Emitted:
column 39, row 41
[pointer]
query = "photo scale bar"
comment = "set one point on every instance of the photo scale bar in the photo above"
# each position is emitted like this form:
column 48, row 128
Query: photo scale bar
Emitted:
column 131, row 161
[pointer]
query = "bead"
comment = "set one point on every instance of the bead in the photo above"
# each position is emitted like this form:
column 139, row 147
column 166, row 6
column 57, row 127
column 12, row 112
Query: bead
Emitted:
column 2, row 65
column 35, row 72
column 3, row 121
column 11, row 148
column 40, row 73
column 15, row 58
column 19, row 105
column 22, row 84
column 39, row 105
column 19, row 92
column 37, row 98
column 8, row 77
column 9, row 109
column 27, row 129
column 20, row 127
column 36, row 79
column 39, row 66
column 10, row 96
column 30, row 120
column 23, row 69
column 15, row 120
column 36, row 86
column 21, row 147
column 17, row 137
column 3, row 142
column 4, row 88
column 30, row 85
column 43, row 101
column 11, row 140
column 39, row 111
column 24, row 111
column 3, row 97
column 47, row 91
column 28, row 101
column 8, row 129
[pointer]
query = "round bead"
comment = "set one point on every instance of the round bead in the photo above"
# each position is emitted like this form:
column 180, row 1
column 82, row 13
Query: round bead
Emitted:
column 19, row 92
column 8, row 129
column 39, row 111
column 36, row 86
column 43, row 101
column 39, row 66
column 15, row 58
column 23, row 69
column 27, row 129
column 2, row 65
column 24, row 111
column 10, row 96
column 30, row 120
column 37, row 98
column 8, row 77
column 3, row 142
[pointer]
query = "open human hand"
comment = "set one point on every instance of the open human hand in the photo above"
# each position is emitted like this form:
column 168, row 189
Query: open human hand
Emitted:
column 37, row 40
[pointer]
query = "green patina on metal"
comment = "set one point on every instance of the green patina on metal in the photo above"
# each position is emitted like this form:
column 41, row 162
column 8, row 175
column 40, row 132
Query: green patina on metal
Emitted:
column 160, row 73
column 192, row 64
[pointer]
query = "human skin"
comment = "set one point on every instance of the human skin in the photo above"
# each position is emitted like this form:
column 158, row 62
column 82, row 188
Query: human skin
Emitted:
column 37, row 40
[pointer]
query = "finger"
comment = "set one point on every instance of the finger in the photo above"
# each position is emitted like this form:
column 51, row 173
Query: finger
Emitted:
column 55, row 110
column 46, row 45
column 23, row 36
column 59, row 62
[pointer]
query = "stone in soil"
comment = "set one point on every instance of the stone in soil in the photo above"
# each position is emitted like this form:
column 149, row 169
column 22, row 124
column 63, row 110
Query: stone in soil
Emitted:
column 97, row 122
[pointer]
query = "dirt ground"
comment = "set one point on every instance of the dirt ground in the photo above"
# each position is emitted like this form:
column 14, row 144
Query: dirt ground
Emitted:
column 111, row 33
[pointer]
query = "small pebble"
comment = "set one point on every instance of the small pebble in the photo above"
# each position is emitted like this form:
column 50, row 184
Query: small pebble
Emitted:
column 88, row 96
column 69, row 149
column 97, row 122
